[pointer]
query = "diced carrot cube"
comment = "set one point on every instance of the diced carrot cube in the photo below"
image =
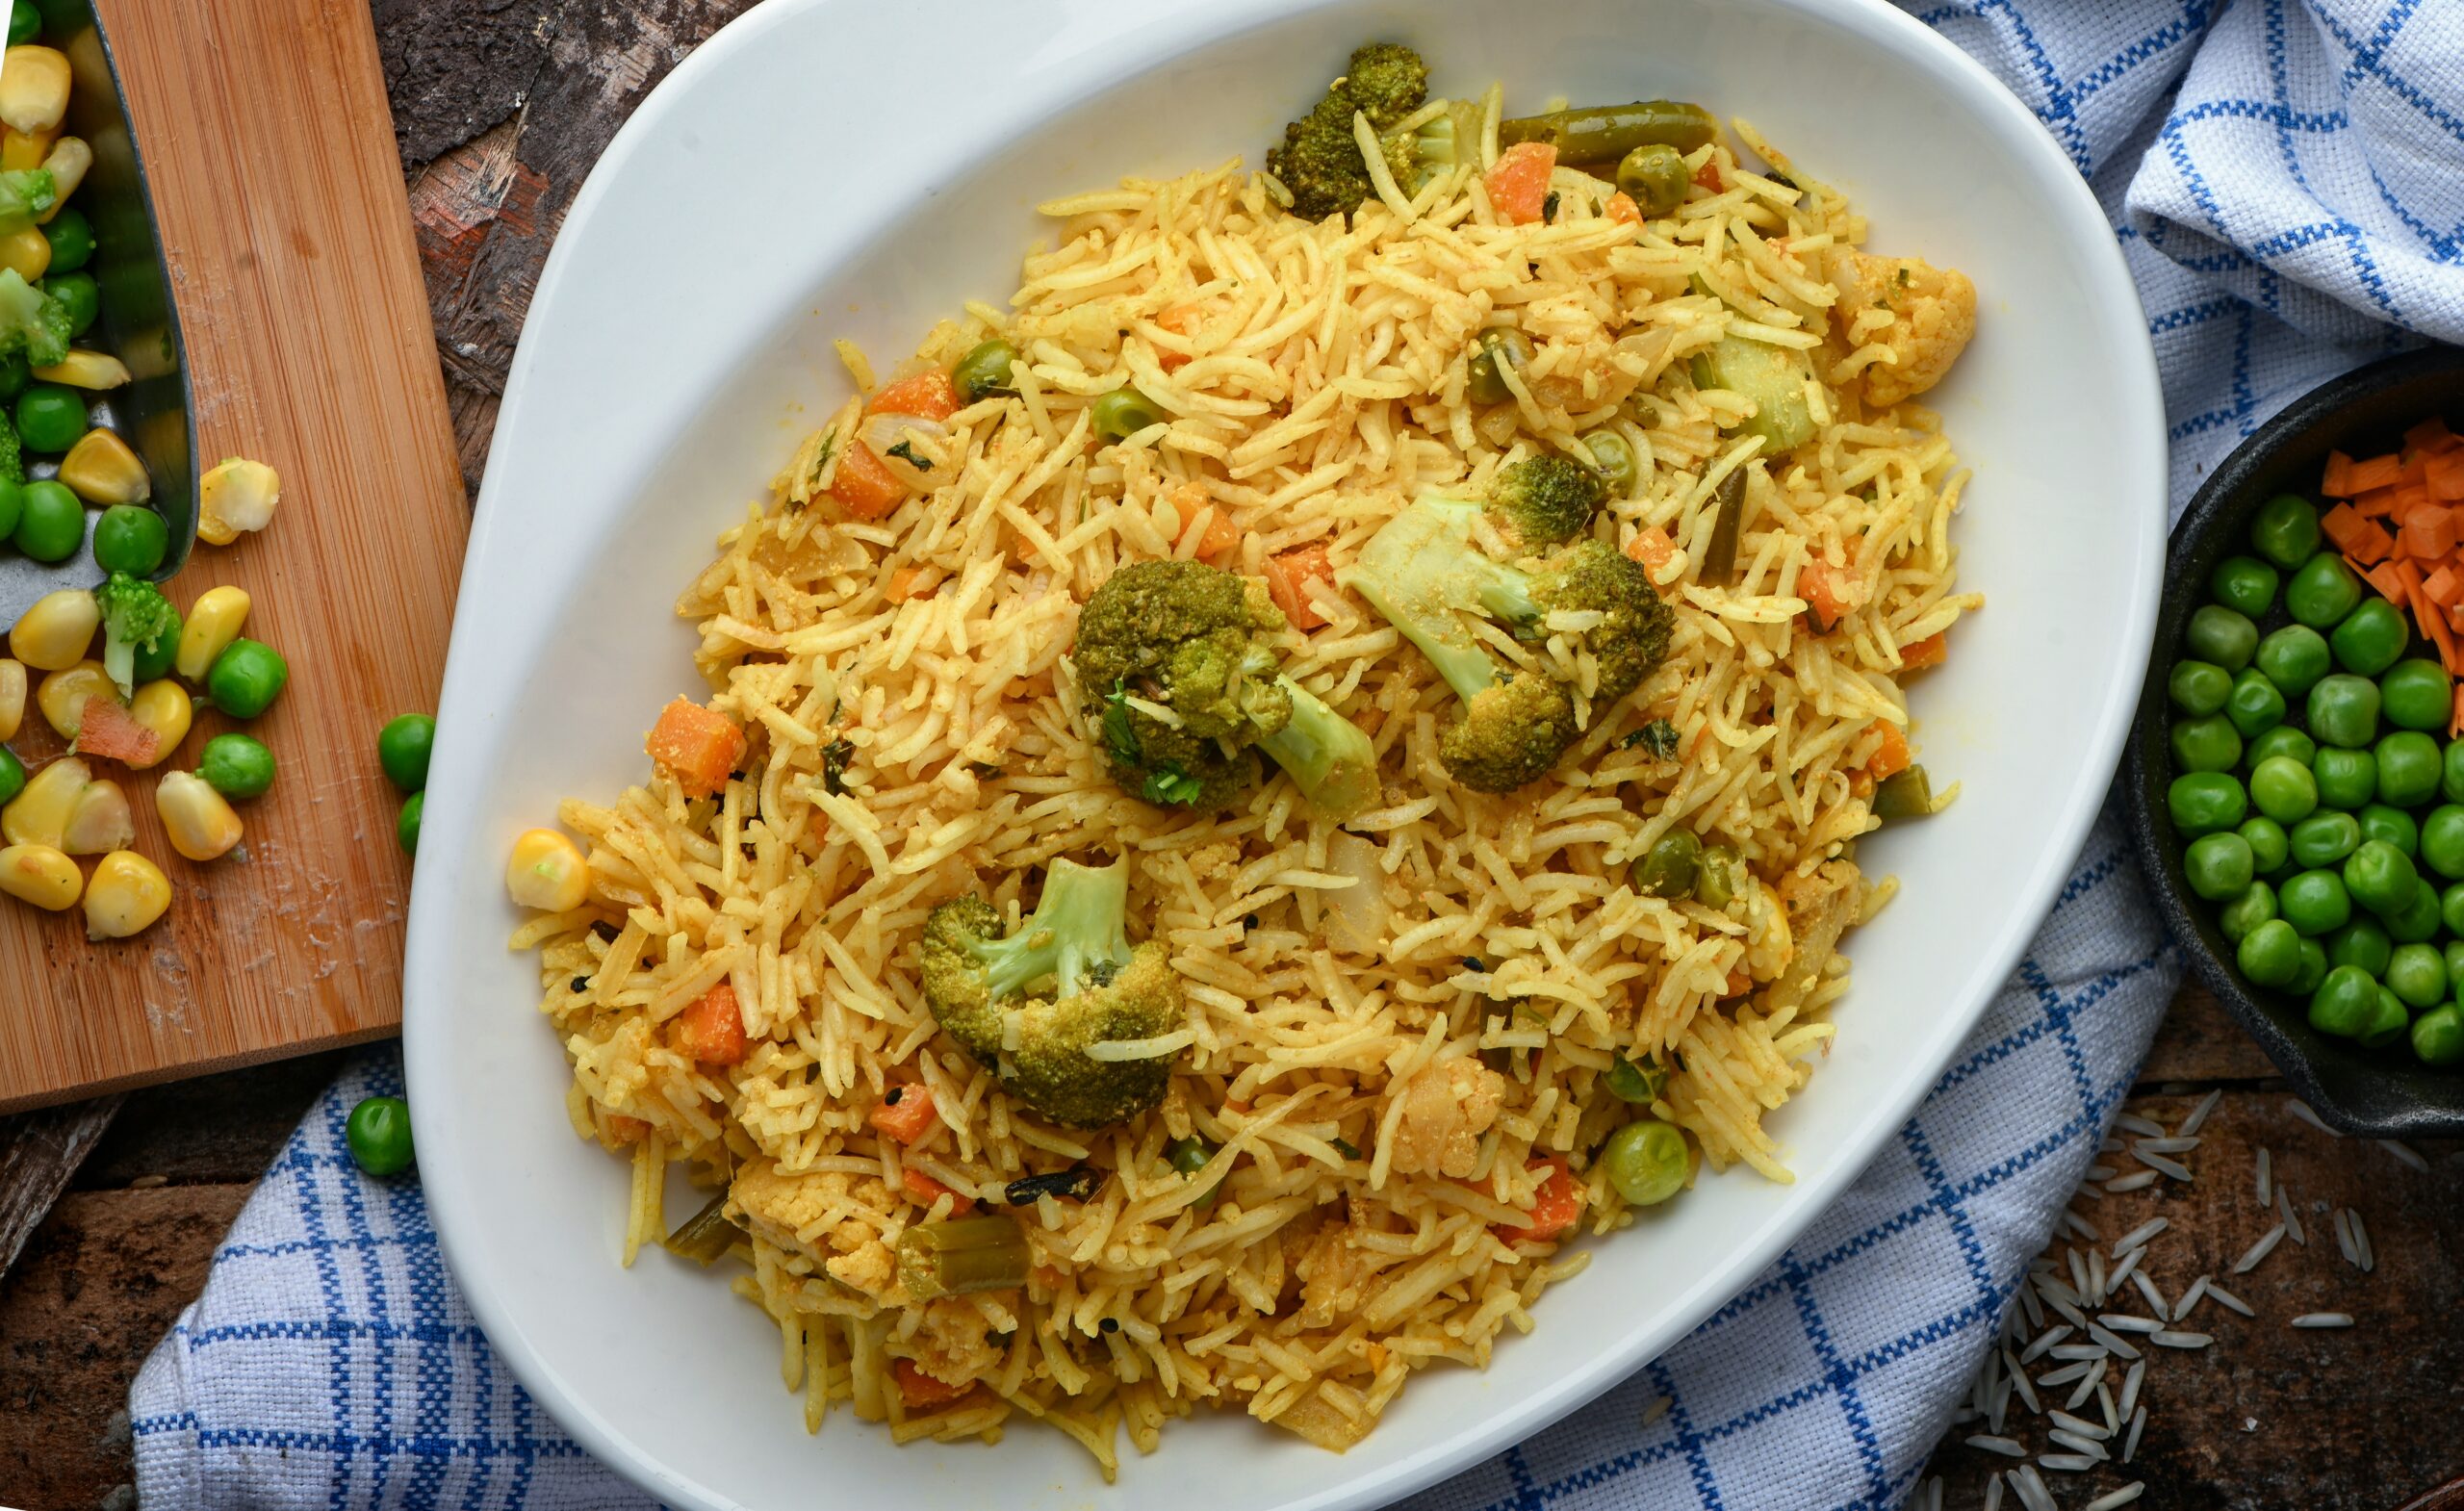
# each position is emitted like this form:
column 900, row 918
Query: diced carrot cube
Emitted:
column 2384, row 579
column 2337, row 483
column 1518, row 181
column 922, row 1392
column 1554, row 1208
column 700, row 745
column 2444, row 476
column 2455, row 723
column 1892, row 757
column 2342, row 525
column 1288, row 578
column 1623, row 210
column 2375, row 471
column 1653, row 549
column 2372, row 544
column 907, row 583
column 2445, row 586
column 2428, row 534
column 107, row 730
column 1181, row 320
column 929, row 394
column 905, row 1112
column 1707, row 176
column 1210, row 532
column 1931, row 650
column 2431, row 435
column 864, row 486
column 1827, row 591
column 712, row 1028
column 926, row 1191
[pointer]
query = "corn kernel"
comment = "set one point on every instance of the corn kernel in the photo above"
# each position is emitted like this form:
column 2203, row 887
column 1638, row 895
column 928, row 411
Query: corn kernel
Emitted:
column 26, row 251
column 200, row 824
column 126, row 896
column 12, row 698
column 84, row 369
column 99, row 821
column 19, row 151
column 56, row 630
column 34, row 90
column 40, row 875
column 62, row 696
column 236, row 495
column 546, row 872
column 100, row 469
column 163, row 707
column 67, row 160
column 215, row 620
column 38, row 815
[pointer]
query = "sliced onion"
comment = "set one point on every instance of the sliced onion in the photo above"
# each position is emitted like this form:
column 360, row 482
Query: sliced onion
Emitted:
column 930, row 437
column 1357, row 916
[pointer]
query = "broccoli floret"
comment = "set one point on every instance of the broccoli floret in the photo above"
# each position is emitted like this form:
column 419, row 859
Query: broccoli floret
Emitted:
column 13, row 456
column 32, row 322
column 1546, row 500
column 1197, row 643
column 1095, row 988
column 1446, row 140
column 1422, row 574
column 25, row 194
column 135, row 615
column 1320, row 160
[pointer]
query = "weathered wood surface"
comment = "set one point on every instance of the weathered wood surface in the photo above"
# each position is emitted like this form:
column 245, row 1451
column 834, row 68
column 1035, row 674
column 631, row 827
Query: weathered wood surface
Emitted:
column 500, row 109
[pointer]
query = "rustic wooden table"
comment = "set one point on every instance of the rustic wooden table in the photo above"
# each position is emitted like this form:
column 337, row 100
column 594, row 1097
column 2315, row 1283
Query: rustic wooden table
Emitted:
column 500, row 106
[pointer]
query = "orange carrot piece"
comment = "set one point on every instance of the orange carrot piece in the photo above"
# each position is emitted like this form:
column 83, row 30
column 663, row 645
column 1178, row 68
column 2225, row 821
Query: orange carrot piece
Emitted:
column 1519, row 181
column 922, row 1392
column 2375, row 471
column 700, row 745
column 2444, row 477
column 2431, row 435
column 1210, row 532
column 712, row 1027
column 2372, row 544
column 925, row 1191
column 2444, row 587
column 2428, row 534
column 1288, row 579
column 1653, row 549
column 622, row 1129
column 1554, row 1208
column 2337, row 483
column 907, row 583
column 1707, row 176
column 929, row 394
column 1623, row 210
column 1891, row 758
column 2455, row 722
column 1181, row 320
column 1931, row 650
column 864, row 486
column 2383, row 580
column 1825, row 589
column 107, row 730
column 2342, row 525
column 905, row 1112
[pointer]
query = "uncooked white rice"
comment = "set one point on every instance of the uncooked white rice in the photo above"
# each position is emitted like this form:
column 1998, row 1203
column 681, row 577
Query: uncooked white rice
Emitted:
column 2118, row 1499
column 2257, row 1251
column 2197, row 1118
column 2323, row 1319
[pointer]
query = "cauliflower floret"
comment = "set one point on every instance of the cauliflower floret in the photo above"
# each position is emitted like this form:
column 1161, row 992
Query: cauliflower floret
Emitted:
column 1446, row 1109
column 1933, row 313
column 822, row 1217
column 954, row 1343
column 1334, row 1275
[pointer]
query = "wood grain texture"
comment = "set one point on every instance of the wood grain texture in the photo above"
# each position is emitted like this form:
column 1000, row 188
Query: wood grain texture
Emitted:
column 39, row 1151
column 271, row 157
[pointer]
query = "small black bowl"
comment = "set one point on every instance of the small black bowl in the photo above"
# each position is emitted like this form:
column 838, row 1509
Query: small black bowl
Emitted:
column 2383, row 1092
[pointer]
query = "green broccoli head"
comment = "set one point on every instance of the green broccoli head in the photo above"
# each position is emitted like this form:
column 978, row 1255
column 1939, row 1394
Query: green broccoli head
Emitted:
column 32, row 322
column 25, row 194
column 136, row 616
column 12, row 455
column 1319, row 159
column 1034, row 1005
column 1197, row 642
column 1422, row 573
column 1548, row 500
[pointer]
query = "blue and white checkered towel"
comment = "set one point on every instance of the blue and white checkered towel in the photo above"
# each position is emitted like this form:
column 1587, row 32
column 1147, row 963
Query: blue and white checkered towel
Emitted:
column 2287, row 178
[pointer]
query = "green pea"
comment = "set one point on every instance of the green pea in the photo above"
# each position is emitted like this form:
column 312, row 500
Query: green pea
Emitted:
column 2380, row 876
column 1612, row 457
column 2244, row 584
column 2450, row 772
column 2314, row 969
column 1647, row 1162
column 2370, row 639
column 2417, row 695
column 2347, row 778
column 2199, row 688
column 132, row 539
column 2438, row 1036
column 1717, row 882
column 2343, row 710
column 151, row 660
column 2408, row 768
column 2295, row 657
column 77, row 291
column 246, row 678
column 2209, row 744
column 1654, row 176
column 2453, row 952
column 71, row 236
column 2282, row 740
column 984, row 370
column 2388, row 1021
column 2286, row 531
column 25, row 23
column 2222, row 637
column 12, row 504
column 2344, row 1003
column 2315, row 903
column 1630, row 1081
column 2206, row 803
column 50, row 417
column 406, row 824
column 2270, row 953
column 235, row 765
column 2418, row 974
column 2284, row 790
column 1499, row 344
column 51, row 521
column 2219, row 866
column 403, row 748
column 2361, row 942
column 2395, row 825
column 378, row 1133
column 2442, row 848
column 2451, row 912
column 2322, row 591
column 1125, row 412
column 1188, row 1156
column 2418, row 921
column 2254, row 907
column 2324, row 839
column 2269, row 847
column 12, row 774
column 2254, row 706
column 1670, row 867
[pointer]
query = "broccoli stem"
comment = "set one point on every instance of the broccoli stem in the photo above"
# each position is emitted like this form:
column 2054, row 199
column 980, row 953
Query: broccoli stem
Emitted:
column 1419, row 568
column 1074, row 932
column 1328, row 757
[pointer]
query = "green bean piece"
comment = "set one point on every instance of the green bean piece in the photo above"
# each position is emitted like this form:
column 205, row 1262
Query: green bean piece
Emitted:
column 706, row 1235
column 25, row 22
column 1125, row 412
column 1636, row 1082
column 2408, row 768
column 2441, row 846
column 2255, row 706
column 1188, row 1154
column 1719, row 557
column 1612, row 457
column 2324, row 838
column 1498, row 344
column 960, row 1256
column 1606, row 133
column 1654, row 176
column 1647, row 1162
column 2347, row 778
column 1668, row 869
column 1907, row 794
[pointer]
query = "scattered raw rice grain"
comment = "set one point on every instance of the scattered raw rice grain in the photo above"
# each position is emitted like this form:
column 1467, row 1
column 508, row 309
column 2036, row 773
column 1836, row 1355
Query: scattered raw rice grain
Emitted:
column 2405, row 1152
column 2029, row 1304
column 2105, row 1404
column 2074, row 1353
column 2291, row 1219
column 2084, row 1228
column 2064, row 1375
column 2045, row 1340
column 2096, row 1283
column 2087, row 1388
column 2130, row 1387
column 2124, row 1322
column 2267, row 1167
column 2069, row 1314
column 2080, row 1280
column 2006, row 1447
column 2230, row 1301
column 2067, row 1463
column 2259, row 1251
column 2119, row 1498
column 2113, row 1342
column 2122, row 1271
column 2191, row 1298
column 2031, row 1489
column 2302, row 1110
column 2053, row 1288
column 2199, row 1114
column 2079, row 1424
column 2092, row 1192
column 2361, row 1242
column 1994, row 1493
column 1933, row 1497
column 2157, row 1159
column 2147, row 1289
column 2140, row 1235
column 2108, row 1145
column 2342, row 1222
column 2099, row 1173
column 2167, row 1145
column 2083, row 1443
column 2168, row 1337
column 2137, row 1424
column 2136, row 1180
column 1658, row 1409
column 2323, row 1319
column 2132, row 1122
column 2027, row 1390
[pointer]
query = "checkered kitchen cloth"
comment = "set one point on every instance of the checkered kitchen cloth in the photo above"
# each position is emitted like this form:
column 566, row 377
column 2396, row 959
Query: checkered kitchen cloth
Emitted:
column 2287, row 179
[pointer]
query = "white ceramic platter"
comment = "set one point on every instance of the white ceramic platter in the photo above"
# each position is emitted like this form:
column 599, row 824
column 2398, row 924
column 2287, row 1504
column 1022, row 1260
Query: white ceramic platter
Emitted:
column 829, row 167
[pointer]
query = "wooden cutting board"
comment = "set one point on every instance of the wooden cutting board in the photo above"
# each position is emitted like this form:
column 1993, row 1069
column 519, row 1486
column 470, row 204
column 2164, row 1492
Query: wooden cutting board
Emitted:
column 270, row 152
